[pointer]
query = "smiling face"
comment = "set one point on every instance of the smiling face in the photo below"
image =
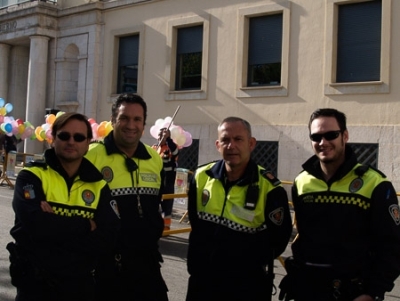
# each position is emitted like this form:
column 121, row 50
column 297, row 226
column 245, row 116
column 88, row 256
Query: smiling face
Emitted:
column 329, row 151
column 70, row 150
column 235, row 145
column 128, row 127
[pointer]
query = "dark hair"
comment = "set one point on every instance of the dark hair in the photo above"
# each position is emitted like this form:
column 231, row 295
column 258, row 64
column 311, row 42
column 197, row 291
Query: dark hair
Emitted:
column 64, row 118
column 128, row 98
column 328, row 112
column 245, row 123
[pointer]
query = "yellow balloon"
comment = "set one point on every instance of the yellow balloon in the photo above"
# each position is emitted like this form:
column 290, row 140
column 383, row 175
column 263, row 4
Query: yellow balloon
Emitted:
column 50, row 118
column 3, row 111
column 109, row 127
column 21, row 128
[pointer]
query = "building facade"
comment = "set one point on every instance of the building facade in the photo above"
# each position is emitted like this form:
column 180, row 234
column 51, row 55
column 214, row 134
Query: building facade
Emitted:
column 271, row 62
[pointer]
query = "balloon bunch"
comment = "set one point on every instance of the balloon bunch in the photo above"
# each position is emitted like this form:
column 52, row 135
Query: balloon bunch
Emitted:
column 10, row 126
column 100, row 130
column 178, row 134
column 43, row 132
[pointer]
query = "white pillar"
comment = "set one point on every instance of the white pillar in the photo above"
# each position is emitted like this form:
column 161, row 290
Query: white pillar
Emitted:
column 36, row 94
column 4, row 60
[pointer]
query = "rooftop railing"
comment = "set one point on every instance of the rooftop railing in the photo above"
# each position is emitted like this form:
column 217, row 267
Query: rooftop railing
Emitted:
column 7, row 3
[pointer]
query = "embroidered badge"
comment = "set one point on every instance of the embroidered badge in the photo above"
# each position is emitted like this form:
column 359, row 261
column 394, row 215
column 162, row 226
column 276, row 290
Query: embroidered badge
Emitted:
column 276, row 216
column 205, row 197
column 29, row 193
column 148, row 177
column 88, row 197
column 114, row 207
column 107, row 173
column 394, row 212
column 356, row 185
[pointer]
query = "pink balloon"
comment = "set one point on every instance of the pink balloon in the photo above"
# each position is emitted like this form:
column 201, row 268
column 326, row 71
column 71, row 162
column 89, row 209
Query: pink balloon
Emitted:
column 154, row 130
column 189, row 139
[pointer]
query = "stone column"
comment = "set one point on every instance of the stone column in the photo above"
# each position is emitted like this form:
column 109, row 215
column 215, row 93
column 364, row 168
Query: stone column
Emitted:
column 4, row 60
column 36, row 94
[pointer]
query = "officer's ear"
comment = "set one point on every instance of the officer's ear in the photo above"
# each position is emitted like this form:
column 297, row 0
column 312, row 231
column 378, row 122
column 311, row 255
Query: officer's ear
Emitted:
column 252, row 143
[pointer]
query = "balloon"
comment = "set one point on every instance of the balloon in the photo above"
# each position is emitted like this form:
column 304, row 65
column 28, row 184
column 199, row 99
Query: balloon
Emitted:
column 21, row 128
column 189, row 139
column 109, row 128
column 154, row 130
column 9, row 107
column 1, row 118
column 19, row 121
column 101, row 130
column 180, row 141
column 3, row 111
column 50, row 118
column 159, row 122
column 2, row 102
column 59, row 114
column 8, row 127
column 175, row 132
column 91, row 120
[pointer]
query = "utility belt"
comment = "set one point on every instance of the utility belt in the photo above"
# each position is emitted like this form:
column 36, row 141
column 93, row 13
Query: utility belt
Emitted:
column 304, row 280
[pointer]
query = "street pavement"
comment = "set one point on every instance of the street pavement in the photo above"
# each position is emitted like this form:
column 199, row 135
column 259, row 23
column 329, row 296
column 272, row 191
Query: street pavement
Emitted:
column 173, row 247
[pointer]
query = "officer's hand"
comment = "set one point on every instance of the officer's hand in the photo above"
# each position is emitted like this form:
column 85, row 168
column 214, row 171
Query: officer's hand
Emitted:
column 92, row 225
column 46, row 207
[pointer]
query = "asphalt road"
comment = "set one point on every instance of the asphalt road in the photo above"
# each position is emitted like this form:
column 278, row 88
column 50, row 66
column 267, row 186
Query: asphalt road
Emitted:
column 173, row 248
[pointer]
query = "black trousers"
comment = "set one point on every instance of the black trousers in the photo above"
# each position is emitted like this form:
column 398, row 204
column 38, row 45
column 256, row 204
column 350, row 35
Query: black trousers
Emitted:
column 138, row 278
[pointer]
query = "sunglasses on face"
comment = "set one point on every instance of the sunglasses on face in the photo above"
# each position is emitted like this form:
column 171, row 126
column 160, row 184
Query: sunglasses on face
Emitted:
column 329, row 136
column 64, row 136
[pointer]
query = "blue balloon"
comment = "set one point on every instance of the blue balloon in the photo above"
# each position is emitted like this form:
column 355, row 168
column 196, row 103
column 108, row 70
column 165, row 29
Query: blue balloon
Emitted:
column 9, row 107
column 2, row 102
column 8, row 127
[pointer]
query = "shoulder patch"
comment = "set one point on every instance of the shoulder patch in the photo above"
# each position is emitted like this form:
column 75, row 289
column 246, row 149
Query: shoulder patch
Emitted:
column 270, row 177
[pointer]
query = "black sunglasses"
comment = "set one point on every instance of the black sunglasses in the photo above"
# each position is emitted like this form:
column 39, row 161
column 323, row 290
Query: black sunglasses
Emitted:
column 64, row 136
column 332, row 135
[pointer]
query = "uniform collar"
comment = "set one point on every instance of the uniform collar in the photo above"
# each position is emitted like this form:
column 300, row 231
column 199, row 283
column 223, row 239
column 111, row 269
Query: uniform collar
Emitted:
column 250, row 175
column 87, row 172
column 111, row 148
column 313, row 166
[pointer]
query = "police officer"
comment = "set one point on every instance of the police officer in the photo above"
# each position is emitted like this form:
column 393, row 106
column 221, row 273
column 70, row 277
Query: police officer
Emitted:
column 64, row 219
column 240, row 221
column 134, row 172
column 348, row 222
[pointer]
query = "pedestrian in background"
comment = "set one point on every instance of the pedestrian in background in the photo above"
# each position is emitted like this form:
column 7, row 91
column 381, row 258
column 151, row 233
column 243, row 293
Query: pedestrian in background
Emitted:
column 348, row 222
column 134, row 172
column 168, row 151
column 64, row 219
column 240, row 221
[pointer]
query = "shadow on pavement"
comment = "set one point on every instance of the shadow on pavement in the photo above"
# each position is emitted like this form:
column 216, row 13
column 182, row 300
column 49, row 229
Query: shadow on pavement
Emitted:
column 173, row 245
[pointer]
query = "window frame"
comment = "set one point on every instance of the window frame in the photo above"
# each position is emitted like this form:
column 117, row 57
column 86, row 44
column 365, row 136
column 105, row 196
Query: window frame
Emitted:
column 120, row 33
column 371, row 87
column 170, row 72
column 244, row 15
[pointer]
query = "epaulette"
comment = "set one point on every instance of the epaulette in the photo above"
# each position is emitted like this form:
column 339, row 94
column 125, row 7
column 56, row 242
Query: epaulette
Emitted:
column 37, row 163
column 377, row 170
column 201, row 165
column 97, row 141
column 270, row 177
column 361, row 170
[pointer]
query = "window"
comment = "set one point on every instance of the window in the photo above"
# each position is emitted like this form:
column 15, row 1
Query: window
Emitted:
column 188, row 46
column 189, row 156
column 265, row 50
column 189, row 58
column 266, row 154
column 359, row 42
column 128, row 57
column 367, row 153
column 263, row 53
